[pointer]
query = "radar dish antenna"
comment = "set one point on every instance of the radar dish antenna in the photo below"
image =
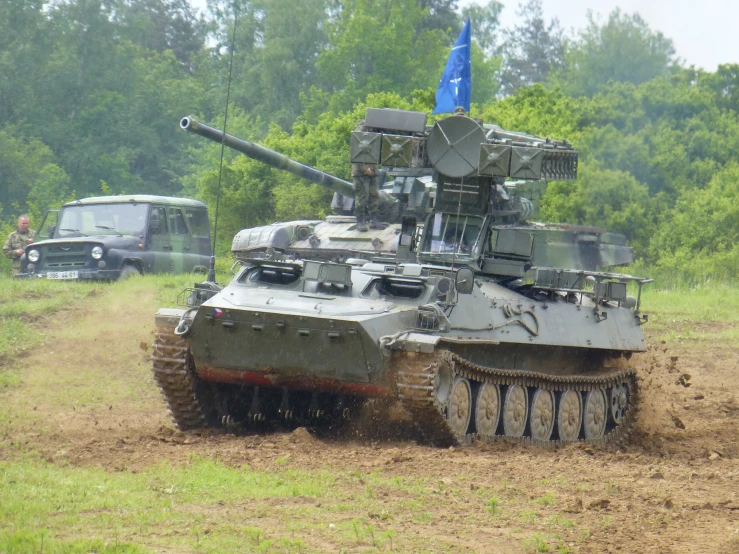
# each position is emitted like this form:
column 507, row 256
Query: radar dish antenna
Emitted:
column 453, row 146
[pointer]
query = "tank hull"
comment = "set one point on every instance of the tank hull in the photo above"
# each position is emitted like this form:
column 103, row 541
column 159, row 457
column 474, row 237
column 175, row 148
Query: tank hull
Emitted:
column 330, row 349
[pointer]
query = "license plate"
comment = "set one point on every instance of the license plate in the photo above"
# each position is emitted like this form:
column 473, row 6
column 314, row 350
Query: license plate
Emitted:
column 63, row 275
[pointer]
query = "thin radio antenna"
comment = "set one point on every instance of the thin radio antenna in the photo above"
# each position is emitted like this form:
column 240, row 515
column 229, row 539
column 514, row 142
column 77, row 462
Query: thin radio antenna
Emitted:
column 459, row 211
column 212, row 268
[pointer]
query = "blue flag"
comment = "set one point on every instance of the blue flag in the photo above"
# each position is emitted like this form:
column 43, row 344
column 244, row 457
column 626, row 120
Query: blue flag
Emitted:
column 455, row 86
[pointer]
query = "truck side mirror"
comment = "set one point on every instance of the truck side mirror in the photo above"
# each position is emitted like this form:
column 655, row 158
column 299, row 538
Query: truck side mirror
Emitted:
column 50, row 230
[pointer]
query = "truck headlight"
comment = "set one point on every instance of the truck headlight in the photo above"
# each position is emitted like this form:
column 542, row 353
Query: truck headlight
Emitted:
column 97, row 252
column 33, row 255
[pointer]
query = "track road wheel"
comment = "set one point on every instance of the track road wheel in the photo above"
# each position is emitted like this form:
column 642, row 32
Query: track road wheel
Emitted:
column 594, row 414
column 515, row 411
column 569, row 416
column 460, row 406
column 444, row 381
column 542, row 415
column 487, row 409
column 619, row 402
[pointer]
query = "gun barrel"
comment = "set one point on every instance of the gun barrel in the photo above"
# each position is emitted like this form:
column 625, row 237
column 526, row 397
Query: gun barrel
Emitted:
column 269, row 157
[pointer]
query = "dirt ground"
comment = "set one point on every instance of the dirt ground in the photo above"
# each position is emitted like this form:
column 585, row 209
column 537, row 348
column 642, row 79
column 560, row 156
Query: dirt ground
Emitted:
column 673, row 486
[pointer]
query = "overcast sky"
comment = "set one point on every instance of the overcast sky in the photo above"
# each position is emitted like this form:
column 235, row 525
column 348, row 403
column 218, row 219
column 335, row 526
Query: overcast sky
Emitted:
column 704, row 32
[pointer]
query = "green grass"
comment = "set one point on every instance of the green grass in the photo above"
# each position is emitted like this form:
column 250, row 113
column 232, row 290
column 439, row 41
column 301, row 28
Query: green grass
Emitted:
column 697, row 314
column 27, row 306
column 698, row 304
column 204, row 506
column 493, row 506
column 546, row 500
column 24, row 303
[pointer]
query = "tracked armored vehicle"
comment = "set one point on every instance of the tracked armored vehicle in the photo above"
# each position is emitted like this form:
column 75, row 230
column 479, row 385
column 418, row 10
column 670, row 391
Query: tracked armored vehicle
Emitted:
column 480, row 323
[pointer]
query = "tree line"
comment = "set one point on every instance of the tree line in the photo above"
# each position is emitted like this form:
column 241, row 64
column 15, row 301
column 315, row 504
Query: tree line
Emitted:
column 91, row 92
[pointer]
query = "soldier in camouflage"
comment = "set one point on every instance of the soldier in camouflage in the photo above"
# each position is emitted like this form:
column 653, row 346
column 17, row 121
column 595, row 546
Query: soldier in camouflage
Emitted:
column 366, row 193
column 17, row 241
column 366, row 196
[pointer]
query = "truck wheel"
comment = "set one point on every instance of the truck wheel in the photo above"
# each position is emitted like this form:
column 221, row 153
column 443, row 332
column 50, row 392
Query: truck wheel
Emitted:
column 129, row 271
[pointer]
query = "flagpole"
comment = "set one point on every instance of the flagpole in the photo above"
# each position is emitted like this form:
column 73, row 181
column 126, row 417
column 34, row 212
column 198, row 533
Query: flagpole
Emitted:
column 455, row 85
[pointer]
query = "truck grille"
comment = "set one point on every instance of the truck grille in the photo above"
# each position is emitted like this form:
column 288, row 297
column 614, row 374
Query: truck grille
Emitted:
column 63, row 256
column 65, row 249
column 65, row 261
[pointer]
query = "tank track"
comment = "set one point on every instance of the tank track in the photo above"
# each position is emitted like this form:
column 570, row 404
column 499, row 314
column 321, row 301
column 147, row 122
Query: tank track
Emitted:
column 418, row 381
column 195, row 404
column 176, row 379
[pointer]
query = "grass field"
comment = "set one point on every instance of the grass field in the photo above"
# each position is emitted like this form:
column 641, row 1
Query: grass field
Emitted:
column 689, row 313
column 201, row 503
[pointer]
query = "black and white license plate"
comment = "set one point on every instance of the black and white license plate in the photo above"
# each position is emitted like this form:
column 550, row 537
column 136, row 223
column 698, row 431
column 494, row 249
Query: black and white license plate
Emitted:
column 63, row 275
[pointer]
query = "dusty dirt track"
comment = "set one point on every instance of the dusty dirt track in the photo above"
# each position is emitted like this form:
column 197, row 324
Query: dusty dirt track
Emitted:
column 672, row 488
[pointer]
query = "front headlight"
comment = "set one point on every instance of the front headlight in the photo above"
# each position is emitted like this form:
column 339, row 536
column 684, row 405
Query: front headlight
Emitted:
column 97, row 252
column 33, row 255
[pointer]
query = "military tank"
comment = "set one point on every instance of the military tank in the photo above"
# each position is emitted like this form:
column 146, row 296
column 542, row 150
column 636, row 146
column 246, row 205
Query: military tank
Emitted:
column 482, row 325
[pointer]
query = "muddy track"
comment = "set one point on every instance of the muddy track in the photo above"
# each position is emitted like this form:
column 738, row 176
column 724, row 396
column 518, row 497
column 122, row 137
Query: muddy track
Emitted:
column 418, row 386
column 176, row 379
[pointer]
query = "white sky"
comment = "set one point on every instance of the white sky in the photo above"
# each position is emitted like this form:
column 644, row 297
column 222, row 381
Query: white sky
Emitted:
column 704, row 33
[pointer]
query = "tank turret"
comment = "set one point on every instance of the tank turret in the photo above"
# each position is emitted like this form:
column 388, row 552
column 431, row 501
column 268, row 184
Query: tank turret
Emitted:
column 487, row 183
column 493, row 176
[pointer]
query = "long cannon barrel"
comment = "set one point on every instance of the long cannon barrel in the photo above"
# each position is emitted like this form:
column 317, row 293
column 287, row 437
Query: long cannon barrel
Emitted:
column 269, row 157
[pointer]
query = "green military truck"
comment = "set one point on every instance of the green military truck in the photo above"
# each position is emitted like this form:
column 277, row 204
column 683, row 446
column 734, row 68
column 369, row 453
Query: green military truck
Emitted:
column 115, row 237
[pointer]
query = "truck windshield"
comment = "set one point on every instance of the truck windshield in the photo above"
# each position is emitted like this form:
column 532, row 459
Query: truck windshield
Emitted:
column 102, row 219
column 452, row 234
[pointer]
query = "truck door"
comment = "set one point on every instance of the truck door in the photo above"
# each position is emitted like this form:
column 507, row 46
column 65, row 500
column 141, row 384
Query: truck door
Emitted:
column 48, row 225
column 161, row 245
column 199, row 227
column 181, row 242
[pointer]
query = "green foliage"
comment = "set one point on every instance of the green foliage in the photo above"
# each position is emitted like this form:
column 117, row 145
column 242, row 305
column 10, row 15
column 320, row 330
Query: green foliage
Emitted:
column 98, row 114
column 160, row 25
column 485, row 22
column 366, row 39
column 699, row 236
column 486, row 63
column 441, row 15
column 541, row 111
column 601, row 197
column 623, row 49
column 533, row 49
column 30, row 179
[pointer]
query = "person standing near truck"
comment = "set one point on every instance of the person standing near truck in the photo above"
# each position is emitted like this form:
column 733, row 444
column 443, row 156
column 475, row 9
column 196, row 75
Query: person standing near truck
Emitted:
column 17, row 241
